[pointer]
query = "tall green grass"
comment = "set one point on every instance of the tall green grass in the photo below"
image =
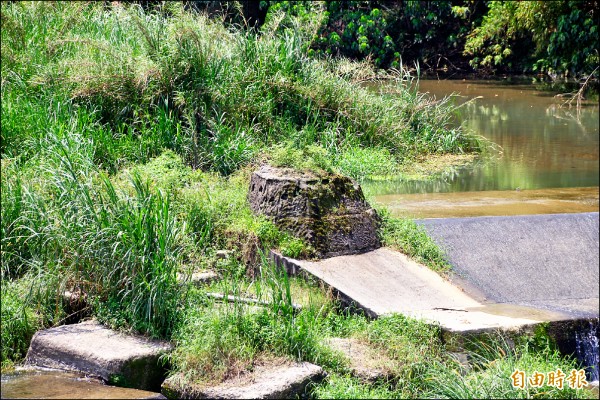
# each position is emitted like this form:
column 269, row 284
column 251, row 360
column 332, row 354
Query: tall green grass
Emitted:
column 19, row 322
column 492, row 363
column 217, row 341
column 127, row 137
column 120, row 248
column 217, row 96
column 427, row 371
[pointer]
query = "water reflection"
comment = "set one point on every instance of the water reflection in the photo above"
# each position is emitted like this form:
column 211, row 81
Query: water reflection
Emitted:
column 491, row 202
column 542, row 144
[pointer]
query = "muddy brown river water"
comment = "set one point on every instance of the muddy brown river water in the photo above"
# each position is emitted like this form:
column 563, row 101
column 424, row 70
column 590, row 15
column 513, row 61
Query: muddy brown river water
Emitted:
column 53, row 384
column 547, row 158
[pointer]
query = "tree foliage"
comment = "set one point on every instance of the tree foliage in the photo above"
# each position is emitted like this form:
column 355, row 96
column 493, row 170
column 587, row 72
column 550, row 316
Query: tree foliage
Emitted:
column 559, row 37
column 389, row 32
column 555, row 37
column 547, row 36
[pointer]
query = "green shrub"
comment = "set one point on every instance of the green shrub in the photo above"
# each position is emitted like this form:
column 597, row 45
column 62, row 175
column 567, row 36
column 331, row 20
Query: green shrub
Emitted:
column 560, row 37
column 166, row 172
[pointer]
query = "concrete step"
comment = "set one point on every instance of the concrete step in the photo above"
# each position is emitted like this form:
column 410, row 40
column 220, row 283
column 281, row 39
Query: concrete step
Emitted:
column 93, row 349
column 278, row 380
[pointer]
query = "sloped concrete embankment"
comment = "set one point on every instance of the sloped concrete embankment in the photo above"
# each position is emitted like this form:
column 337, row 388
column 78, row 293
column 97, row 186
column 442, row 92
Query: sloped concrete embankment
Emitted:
column 511, row 274
column 542, row 261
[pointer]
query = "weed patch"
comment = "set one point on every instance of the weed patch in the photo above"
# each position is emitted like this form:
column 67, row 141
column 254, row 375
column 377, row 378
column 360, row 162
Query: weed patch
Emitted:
column 405, row 235
column 220, row 341
column 492, row 364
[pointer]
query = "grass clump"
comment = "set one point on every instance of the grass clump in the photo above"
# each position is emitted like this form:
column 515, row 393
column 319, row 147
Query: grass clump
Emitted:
column 405, row 235
column 424, row 369
column 492, row 363
column 18, row 323
column 367, row 163
column 310, row 158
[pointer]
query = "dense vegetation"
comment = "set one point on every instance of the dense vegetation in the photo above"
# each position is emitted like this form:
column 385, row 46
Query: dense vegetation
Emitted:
column 554, row 38
column 127, row 140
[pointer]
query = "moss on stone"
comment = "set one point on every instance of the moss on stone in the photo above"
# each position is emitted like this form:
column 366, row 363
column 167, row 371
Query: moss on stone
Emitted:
column 328, row 212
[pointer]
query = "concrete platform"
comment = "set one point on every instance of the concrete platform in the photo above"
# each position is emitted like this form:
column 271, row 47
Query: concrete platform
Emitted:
column 93, row 349
column 271, row 381
column 384, row 281
column 510, row 273
column 364, row 361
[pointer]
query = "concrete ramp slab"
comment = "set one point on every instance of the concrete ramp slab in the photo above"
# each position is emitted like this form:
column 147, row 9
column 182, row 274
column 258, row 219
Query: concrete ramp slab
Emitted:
column 541, row 261
column 384, row 281
column 510, row 273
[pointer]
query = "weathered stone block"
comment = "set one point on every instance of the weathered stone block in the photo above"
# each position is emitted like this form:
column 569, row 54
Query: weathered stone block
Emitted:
column 365, row 362
column 285, row 381
column 198, row 278
column 93, row 349
column 329, row 212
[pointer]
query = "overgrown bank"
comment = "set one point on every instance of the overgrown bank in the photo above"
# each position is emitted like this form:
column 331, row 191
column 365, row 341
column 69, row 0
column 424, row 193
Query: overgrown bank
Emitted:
column 555, row 40
column 127, row 141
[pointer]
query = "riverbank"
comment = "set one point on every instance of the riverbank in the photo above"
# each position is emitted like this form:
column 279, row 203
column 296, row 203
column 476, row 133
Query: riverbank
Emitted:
column 128, row 138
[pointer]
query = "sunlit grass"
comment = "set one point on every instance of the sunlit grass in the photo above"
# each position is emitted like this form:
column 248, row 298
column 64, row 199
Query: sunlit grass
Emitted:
column 128, row 139
column 405, row 235
column 218, row 103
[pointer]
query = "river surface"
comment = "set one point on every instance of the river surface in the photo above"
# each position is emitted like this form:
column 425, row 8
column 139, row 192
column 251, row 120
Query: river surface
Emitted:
column 54, row 384
column 546, row 159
